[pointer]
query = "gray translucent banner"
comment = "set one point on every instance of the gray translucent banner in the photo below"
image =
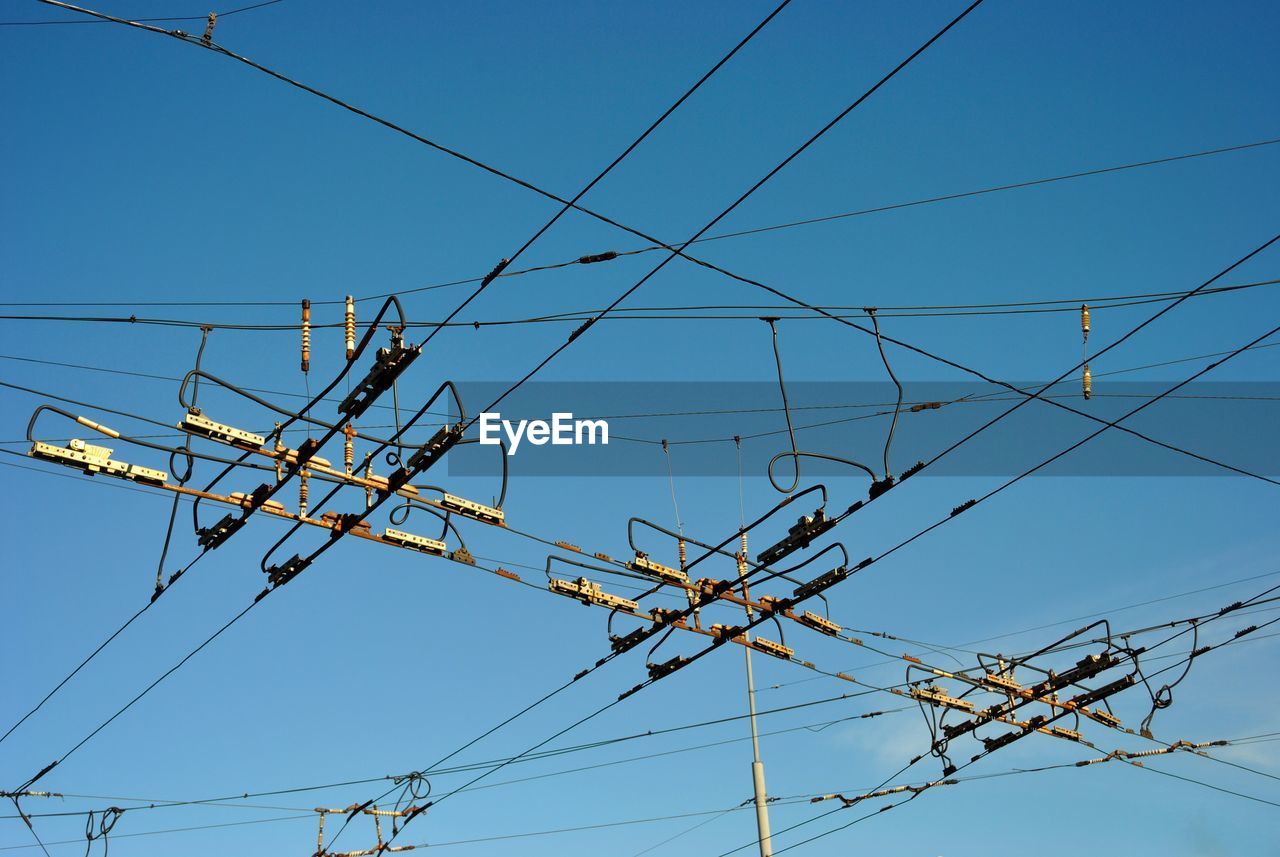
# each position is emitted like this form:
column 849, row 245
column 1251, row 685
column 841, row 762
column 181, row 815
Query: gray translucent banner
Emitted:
column 1237, row 423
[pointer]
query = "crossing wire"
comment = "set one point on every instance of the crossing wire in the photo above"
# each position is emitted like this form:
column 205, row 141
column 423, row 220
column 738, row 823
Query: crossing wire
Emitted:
column 673, row 253
column 741, row 233
column 567, row 206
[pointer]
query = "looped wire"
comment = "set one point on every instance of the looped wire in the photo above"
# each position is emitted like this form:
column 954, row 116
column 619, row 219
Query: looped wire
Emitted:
column 105, row 823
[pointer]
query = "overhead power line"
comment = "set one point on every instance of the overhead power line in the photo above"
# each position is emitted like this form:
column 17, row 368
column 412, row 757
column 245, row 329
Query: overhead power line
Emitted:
column 567, row 206
column 582, row 259
column 673, row 253
column 220, row 15
column 687, row 312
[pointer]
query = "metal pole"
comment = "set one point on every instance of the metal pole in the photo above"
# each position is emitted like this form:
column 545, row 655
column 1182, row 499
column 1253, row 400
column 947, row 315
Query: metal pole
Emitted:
column 757, row 767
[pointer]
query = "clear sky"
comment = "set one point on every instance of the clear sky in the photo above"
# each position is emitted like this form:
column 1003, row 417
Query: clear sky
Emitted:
column 137, row 169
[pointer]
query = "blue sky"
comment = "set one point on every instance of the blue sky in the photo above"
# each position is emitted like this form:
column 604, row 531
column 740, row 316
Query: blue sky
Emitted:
column 138, row 169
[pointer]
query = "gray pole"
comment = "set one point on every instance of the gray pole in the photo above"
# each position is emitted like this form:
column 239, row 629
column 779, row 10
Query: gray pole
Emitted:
column 757, row 767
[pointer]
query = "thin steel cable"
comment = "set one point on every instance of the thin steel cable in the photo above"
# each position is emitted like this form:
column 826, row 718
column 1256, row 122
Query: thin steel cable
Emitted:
column 220, row 15
column 85, row 662
column 572, row 203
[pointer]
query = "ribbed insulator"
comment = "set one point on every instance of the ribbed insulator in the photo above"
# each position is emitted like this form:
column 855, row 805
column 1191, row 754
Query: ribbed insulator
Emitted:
column 348, row 448
column 1087, row 381
column 683, row 555
column 303, row 491
column 1144, row 753
column 368, row 491
column 306, row 335
column 1084, row 321
column 349, row 323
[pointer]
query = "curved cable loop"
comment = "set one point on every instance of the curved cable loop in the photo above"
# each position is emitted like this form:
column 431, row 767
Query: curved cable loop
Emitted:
column 897, row 409
column 795, row 454
column 786, row 410
column 181, row 479
column 819, row 455
column 1163, row 697
column 98, row 825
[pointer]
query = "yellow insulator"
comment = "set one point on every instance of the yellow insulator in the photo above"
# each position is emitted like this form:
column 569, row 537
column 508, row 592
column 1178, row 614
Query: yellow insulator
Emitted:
column 306, row 335
column 348, row 447
column 1088, row 382
column 1084, row 321
column 303, row 491
column 350, row 324
column 683, row 555
column 744, row 543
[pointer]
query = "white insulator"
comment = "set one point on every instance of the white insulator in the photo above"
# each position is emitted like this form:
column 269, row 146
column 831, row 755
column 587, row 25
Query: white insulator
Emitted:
column 349, row 324
column 303, row 491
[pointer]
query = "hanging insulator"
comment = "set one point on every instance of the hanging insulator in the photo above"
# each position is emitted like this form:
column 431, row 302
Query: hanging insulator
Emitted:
column 368, row 489
column 683, row 556
column 744, row 543
column 1088, row 382
column 207, row 38
column 1084, row 321
column 349, row 323
column 348, row 447
column 306, row 335
column 303, row 491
